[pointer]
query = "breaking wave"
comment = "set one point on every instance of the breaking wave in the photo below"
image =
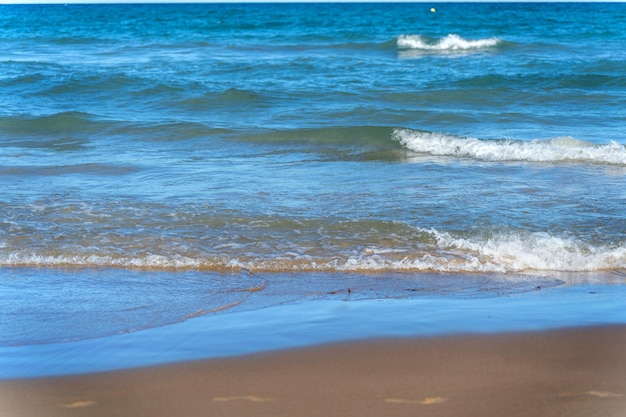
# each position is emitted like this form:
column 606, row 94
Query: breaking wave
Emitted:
column 560, row 149
column 496, row 252
column 509, row 251
column 450, row 42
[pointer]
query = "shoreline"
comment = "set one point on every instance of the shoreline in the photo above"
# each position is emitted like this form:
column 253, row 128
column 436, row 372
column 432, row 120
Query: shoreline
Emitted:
column 550, row 352
column 575, row 371
column 320, row 322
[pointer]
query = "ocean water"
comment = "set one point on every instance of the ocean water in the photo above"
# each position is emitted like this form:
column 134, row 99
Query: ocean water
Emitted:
column 159, row 162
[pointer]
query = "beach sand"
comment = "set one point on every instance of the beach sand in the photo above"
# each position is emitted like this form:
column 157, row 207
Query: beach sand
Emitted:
column 568, row 372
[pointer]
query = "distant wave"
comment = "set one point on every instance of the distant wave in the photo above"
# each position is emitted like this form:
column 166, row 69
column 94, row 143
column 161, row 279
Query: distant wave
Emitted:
column 450, row 42
column 561, row 149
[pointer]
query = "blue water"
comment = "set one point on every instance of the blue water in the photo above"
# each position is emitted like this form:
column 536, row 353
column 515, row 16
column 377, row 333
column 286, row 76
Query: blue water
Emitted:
column 212, row 143
column 320, row 321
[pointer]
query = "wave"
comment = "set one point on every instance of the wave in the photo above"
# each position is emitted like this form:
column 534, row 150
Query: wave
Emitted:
column 560, row 149
column 353, row 143
column 64, row 122
column 351, row 135
column 508, row 251
column 70, row 131
column 232, row 97
column 65, row 131
column 548, row 82
column 171, row 287
column 450, row 42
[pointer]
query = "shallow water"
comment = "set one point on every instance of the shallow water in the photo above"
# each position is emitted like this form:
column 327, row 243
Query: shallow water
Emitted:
column 326, row 320
column 65, row 305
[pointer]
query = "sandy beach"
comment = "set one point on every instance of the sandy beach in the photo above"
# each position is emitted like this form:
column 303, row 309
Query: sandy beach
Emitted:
column 567, row 372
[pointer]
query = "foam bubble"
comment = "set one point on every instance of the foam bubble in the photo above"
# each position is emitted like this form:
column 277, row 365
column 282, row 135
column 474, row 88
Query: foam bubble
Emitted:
column 561, row 149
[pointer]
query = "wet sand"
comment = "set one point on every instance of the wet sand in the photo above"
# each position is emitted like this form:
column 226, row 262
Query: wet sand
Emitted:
column 567, row 372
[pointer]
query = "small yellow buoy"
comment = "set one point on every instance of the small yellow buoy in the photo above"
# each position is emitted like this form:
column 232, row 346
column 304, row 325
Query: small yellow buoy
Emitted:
column 433, row 10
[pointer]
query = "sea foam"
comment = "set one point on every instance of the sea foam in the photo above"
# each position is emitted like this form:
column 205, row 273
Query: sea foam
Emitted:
column 450, row 42
column 560, row 149
column 506, row 251
column 509, row 251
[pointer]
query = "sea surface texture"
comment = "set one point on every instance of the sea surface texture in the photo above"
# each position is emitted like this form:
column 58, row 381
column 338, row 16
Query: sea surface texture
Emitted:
column 197, row 147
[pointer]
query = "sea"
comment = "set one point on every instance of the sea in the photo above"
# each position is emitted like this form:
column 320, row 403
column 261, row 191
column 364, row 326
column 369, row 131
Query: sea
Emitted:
column 160, row 162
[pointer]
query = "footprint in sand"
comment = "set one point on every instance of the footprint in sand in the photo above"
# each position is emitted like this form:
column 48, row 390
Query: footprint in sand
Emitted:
column 425, row 401
column 252, row 398
column 79, row 404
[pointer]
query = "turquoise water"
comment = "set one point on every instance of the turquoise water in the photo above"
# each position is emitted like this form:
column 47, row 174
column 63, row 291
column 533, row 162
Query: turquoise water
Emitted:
column 201, row 146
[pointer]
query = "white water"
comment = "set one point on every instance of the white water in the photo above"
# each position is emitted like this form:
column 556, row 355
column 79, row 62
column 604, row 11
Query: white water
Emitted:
column 450, row 42
column 561, row 149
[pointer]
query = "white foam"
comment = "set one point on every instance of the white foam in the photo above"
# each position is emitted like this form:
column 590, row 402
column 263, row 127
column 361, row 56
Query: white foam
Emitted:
column 496, row 252
column 146, row 262
column 561, row 149
column 450, row 42
column 521, row 251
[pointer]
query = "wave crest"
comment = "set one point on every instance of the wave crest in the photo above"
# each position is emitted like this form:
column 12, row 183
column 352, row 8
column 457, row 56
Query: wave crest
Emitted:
column 561, row 149
column 510, row 251
column 450, row 42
